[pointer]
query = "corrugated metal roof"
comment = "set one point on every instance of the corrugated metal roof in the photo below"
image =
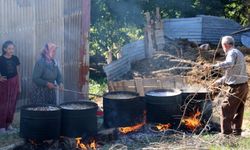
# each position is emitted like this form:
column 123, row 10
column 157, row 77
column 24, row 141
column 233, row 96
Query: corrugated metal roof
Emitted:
column 201, row 29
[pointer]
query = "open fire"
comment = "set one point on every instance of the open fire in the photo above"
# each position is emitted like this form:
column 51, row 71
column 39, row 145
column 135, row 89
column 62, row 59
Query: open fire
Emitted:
column 193, row 121
column 163, row 127
column 134, row 128
column 82, row 146
column 125, row 130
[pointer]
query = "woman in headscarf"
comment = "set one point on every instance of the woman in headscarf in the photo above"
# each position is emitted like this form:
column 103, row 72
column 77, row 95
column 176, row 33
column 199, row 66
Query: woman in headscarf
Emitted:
column 46, row 77
column 9, row 85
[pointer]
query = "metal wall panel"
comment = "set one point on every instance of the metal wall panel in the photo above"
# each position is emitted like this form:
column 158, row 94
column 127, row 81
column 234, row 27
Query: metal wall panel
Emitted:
column 32, row 23
column 72, row 37
column 200, row 29
column 17, row 24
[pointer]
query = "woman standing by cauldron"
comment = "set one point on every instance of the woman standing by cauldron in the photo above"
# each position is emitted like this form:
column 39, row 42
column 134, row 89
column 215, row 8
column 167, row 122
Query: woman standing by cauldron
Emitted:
column 46, row 77
column 9, row 85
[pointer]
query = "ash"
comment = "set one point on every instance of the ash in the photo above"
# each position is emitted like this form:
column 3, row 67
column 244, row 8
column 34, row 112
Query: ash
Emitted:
column 150, row 138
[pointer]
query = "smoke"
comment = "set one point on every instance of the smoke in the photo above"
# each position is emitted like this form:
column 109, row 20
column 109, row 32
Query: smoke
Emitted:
column 128, row 11
column 23, row 3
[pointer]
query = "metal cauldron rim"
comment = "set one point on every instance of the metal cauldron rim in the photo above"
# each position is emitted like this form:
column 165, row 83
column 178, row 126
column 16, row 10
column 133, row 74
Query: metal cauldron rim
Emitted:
column 40, row 105
column 174, row 90
column 95, row 106
column 135, row 94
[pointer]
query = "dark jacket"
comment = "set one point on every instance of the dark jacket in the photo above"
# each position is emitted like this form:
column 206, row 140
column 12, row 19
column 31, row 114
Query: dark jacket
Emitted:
column 45, row 72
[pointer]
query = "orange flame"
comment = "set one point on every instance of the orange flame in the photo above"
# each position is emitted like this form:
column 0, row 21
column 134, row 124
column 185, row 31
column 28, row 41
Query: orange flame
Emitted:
column 125, row 130
column 93, row 145
column 163, row 127
column 83, row 146
column 193, row 122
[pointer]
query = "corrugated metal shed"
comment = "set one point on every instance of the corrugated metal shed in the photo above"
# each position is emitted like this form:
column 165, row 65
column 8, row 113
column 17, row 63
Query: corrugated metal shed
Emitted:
column 31, row 24
column 200, row 29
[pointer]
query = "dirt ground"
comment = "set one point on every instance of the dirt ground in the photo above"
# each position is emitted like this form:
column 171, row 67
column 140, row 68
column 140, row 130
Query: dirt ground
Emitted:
column 161, row 60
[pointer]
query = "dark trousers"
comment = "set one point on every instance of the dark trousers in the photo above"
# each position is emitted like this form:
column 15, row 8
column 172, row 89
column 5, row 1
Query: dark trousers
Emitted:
column 8, row 98
column 232, row 109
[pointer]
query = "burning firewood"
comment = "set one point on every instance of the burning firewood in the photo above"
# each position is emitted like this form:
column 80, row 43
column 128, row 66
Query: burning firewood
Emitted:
column 163, row 127
column 193, row 121
column 134, row 128
column 83, row 146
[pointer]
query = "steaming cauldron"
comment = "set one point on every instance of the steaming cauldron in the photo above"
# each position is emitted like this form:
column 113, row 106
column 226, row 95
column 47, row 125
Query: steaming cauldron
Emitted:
column 40, row 122
column 122, row 109
column 163, row 106
column 79, row 119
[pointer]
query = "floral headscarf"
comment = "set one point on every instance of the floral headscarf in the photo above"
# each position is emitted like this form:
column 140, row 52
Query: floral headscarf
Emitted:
column 46, row 50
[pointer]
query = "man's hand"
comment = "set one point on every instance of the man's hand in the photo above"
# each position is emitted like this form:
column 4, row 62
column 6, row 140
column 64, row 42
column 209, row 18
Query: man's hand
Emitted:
column 50, row 85
column 207, row 67
column 214, row 88
column 2, row 78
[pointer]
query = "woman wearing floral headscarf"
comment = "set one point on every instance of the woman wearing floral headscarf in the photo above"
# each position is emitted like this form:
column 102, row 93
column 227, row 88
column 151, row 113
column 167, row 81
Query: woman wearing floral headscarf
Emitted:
column 46, row 77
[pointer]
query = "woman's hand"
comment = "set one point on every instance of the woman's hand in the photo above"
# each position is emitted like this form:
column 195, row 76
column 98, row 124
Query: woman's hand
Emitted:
column 61, row 87
column 2, row 78
column 50, row 85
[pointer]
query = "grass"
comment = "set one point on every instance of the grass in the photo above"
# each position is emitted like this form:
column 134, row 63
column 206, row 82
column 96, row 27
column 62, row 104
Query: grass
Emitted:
column 242, row 143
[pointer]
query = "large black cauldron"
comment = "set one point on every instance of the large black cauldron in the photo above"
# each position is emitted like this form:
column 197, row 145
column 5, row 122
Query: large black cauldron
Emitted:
column 40, row 122
column 163, row 106
column 197, row 99
column 122, row 109
column 79, row 119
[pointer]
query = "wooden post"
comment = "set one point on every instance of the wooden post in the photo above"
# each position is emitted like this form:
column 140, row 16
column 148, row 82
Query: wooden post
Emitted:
column 84, row 49
column 159, row 33
column 158, row 22
column 149, row 50
column 111, row 86
column 139, row 86
column 110, row 55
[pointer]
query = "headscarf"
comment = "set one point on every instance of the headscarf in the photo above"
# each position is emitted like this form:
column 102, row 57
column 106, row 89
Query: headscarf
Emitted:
column 46, row 50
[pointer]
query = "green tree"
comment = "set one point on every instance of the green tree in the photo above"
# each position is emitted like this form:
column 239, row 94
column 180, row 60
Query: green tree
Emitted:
column 112, row 26
column 238, row 10
column 117, row 22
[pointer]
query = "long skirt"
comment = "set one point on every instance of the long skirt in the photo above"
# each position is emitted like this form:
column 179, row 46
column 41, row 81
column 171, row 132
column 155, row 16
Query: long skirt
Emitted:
column 43, row 95
column 8, row 98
